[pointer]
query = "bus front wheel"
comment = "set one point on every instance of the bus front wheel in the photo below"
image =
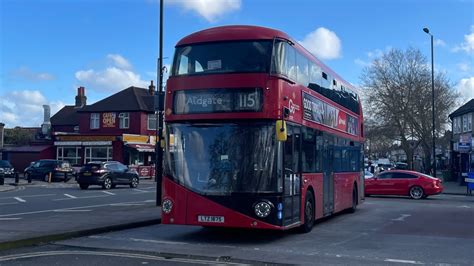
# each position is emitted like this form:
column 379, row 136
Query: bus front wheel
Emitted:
column 308, row 213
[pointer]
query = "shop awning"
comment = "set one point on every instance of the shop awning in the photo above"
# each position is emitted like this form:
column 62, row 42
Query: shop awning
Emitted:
column 142, row 147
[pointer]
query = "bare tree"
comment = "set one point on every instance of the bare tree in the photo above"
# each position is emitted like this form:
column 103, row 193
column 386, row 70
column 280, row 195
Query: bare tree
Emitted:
column 398, row 96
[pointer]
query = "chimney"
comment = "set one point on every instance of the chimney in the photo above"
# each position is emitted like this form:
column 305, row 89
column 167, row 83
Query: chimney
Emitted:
column 151, row 88
column 46, row 126
column 2, row 133
column 81, row 99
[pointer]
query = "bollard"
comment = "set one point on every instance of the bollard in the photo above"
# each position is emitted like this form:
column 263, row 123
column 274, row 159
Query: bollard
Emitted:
column 49, row 177
column 17, row 178
column 2, row 180
column 65, row 177
column 29, row 178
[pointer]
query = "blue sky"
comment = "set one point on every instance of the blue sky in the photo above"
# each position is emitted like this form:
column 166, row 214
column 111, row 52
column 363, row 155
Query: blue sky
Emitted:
column 48, row 48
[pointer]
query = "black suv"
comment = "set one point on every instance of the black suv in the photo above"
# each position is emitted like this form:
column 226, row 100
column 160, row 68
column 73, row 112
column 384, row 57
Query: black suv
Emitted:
column 6, row 169
column 44, row 169
column 106, row 174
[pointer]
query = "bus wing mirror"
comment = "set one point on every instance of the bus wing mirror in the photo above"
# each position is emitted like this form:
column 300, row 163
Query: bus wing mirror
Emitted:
column 281, row 130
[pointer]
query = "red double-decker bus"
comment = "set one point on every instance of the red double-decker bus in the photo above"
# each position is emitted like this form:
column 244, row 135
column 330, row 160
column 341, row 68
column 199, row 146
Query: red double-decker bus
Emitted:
column 259, row 133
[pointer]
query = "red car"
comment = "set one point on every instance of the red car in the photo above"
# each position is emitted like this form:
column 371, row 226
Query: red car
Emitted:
column 403, row 183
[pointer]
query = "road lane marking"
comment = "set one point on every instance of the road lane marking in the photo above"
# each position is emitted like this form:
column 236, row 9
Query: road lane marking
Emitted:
column 402, row 218
column 70, row 196
column 403, row 261
column 107, row 192
column 72, row 210
column 142, row 191
column 31, row 196
column 10, row 219
column 464, row 206
column 82, row 207
column 127, row 204
column 19, row 199
column 88, row 197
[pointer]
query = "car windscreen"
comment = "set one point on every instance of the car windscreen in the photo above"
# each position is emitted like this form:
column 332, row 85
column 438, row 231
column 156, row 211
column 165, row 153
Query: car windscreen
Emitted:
column 5, row 164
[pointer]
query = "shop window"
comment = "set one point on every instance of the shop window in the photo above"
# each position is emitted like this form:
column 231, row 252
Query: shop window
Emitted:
column 69, row 154
column 98, row 154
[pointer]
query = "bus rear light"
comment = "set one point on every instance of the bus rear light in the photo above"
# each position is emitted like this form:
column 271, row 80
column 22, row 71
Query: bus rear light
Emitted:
column 167, row 206
column 263, row 209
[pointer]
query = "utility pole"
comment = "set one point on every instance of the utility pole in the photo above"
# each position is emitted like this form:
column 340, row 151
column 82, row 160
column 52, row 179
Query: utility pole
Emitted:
column 159, row 108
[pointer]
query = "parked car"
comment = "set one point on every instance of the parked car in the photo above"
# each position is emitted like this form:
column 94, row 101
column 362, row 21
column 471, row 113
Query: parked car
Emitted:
column 106, row 174
column 403, row 183
column 368, row 174
column 401, row 166
column 6, row 169
column 42, row 169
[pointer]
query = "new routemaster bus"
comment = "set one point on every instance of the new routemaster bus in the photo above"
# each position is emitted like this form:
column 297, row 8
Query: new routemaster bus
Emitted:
column 259, row 133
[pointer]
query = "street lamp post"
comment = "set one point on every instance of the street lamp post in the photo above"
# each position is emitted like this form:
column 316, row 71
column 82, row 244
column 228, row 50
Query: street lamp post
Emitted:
column 432, row 100
column 159, row 107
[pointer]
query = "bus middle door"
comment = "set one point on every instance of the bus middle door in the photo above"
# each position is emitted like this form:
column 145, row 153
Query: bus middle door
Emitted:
column 328, row 175
column 292, row 177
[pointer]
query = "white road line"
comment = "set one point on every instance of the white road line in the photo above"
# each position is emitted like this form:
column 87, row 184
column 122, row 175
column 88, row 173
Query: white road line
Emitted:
column 71, row 210
column 88, row 197
column 464, row 206
column 402, row 218
column 107, row 192
column 9, row 219
column 70, row 196
column 19, row 199
column 127, row 204
column 403, row 261
column 75, row 208
column 139, row 190
column 31, row 196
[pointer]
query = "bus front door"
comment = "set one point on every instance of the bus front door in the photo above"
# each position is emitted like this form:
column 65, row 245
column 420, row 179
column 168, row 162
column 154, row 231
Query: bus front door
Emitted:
column 292, row 177
column 328, row 178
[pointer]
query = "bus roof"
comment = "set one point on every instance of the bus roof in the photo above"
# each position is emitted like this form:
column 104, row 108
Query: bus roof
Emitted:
column 248, row 32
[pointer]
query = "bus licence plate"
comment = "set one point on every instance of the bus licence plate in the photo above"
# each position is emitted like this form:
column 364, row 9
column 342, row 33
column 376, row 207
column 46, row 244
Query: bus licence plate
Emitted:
column 210, row 219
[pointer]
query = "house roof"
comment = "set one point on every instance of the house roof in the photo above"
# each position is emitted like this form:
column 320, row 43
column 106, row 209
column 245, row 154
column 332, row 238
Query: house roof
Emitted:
column 466, row 108
column 67, row 116
column 130, row 99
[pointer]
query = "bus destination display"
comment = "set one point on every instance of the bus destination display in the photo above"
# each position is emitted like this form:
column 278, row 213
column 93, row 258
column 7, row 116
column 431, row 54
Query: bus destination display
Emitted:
column 218, row 101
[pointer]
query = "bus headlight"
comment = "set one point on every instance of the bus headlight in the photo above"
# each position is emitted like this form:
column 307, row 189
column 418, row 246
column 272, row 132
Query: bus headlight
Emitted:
column 167, row 206
column 263, row 209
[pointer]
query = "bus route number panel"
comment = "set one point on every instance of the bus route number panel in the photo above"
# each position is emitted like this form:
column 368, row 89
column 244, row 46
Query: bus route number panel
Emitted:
column 218, row 101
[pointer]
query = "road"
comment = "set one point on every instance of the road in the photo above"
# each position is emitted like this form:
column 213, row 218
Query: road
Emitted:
column 383, row 231
column 44, row 209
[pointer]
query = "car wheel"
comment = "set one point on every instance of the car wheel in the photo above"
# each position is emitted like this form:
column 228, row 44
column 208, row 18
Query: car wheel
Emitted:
column 308, row 213
column 416, row 192
column 355, row 200
column 84, row 186
column 134, row 182
column 107, row 183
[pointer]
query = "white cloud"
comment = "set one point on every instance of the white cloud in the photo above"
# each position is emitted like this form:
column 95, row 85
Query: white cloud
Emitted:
column 211, row 10
column 468, row 44
column 323, row 43
column 119, row 61
column 464, row 67
column 25, row 108
column 439, row 42
column 26, row 73
column 466, row 88
column 361, row 62
column 113, row 78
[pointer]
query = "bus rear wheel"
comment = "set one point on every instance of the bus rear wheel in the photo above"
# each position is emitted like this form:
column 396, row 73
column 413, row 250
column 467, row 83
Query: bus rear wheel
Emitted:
column 308, row 213
column 355, row 200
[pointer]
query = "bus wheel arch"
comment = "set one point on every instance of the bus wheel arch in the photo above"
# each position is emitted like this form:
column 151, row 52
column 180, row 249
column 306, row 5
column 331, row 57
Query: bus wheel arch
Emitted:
column 309, row 211
column 355, row 198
